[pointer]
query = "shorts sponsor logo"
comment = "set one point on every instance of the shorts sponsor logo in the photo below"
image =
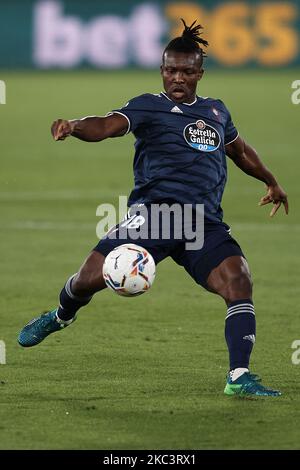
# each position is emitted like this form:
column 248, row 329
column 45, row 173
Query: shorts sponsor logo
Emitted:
column 202, row 136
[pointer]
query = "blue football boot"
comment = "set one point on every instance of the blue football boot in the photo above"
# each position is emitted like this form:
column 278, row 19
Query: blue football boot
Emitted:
column 39, row 328
column 248, row 385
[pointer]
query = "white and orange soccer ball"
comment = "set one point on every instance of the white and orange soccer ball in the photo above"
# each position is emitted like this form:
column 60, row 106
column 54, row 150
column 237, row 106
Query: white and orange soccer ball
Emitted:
column 129, row 270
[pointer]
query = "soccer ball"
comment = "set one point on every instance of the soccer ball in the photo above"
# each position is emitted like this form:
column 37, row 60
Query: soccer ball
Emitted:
column 129, row 270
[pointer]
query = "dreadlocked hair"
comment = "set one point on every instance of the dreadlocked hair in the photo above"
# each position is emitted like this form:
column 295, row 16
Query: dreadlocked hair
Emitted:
column 189, row 41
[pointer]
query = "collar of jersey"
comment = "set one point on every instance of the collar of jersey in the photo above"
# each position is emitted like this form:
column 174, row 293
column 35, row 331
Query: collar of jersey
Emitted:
column 186, row 104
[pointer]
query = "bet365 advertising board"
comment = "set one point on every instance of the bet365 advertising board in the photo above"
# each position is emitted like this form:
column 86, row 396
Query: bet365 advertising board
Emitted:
column 113, row 34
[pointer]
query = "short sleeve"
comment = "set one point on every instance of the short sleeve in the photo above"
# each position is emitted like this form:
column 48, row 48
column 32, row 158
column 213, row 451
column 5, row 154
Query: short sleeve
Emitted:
column 231, row 133
column 138, row 112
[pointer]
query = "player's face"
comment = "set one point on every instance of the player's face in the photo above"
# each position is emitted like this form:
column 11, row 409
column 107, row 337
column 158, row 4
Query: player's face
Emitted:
column 181, row 72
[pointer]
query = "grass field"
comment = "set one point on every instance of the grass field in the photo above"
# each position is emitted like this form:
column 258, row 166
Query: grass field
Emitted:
column 149, row 372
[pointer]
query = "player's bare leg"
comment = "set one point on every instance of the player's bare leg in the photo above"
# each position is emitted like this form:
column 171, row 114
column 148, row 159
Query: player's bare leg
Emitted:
column 232, row 281
column 77, row 292
column 89, row 278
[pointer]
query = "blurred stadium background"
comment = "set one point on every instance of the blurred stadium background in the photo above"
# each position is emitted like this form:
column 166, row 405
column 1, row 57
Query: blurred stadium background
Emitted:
column 145, row 373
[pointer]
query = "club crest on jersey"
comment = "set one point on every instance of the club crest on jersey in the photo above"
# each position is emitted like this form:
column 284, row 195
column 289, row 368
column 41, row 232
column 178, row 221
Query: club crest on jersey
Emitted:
column 202, row 136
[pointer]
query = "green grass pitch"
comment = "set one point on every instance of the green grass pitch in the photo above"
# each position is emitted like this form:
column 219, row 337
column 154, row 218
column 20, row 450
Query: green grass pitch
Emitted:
column 148, row 372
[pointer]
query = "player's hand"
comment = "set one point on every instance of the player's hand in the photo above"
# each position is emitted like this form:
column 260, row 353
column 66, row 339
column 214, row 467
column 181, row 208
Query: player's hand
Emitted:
column 277, row 196
column 61, row 128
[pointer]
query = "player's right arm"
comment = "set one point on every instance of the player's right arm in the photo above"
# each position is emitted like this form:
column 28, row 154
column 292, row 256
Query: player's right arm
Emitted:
column 91, row 128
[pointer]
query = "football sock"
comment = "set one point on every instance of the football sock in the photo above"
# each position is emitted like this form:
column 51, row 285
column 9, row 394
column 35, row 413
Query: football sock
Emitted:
column 240, row 332
column 236, row 373
column 70, row 303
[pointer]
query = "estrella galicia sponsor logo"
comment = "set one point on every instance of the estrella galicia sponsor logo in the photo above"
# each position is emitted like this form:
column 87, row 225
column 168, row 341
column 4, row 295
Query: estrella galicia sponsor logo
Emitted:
column 202, row 136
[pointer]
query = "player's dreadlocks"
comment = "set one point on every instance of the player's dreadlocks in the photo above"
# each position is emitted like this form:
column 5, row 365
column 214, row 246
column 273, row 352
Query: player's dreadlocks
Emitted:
column 189, row 40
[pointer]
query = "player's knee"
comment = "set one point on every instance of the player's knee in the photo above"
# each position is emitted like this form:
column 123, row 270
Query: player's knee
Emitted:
column 87, row 283
column 239, row 286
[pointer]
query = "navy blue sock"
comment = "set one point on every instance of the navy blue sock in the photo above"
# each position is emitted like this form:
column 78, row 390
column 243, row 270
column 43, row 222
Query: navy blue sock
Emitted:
column 240, row 332
column 70, row 303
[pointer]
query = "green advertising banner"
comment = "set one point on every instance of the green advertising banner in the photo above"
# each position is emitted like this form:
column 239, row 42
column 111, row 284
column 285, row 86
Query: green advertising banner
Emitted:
column 114, row 34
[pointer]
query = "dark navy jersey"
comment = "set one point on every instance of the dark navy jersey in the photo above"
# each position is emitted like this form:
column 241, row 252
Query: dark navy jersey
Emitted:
column 179, row 150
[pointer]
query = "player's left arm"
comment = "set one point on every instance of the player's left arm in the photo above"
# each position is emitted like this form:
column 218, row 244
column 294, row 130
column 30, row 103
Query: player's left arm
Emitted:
column 247, row 159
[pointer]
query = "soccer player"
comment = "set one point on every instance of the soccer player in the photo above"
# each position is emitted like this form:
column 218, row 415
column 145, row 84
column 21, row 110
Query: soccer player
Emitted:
column 182, row 141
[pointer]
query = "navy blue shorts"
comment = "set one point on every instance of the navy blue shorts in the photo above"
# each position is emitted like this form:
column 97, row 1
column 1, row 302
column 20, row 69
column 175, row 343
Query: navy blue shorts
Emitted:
column 218, row 245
